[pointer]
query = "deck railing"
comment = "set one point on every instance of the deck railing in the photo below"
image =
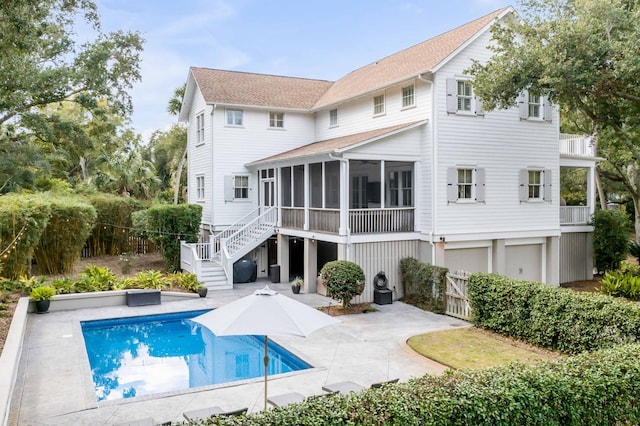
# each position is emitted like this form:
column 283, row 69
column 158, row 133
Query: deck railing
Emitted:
column 324, row 220
column 574, row 215
column 293, row 217
column 576, row 145
column 362, row 221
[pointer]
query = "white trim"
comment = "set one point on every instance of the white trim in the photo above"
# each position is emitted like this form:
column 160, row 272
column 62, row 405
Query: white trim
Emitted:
column 524, row 241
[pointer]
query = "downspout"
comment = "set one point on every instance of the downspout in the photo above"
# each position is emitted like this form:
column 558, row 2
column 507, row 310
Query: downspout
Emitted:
column 434, row 166
column 346, row 222
column 213, row 109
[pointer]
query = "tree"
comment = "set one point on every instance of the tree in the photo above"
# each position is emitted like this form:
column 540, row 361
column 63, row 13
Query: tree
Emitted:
column 165, row 150
column 42, row 64
column 582, row 54
column 175, row 105
column 344, row 280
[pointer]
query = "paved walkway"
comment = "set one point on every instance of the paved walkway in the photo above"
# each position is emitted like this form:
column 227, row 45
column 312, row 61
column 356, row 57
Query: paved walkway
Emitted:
column 55, row 387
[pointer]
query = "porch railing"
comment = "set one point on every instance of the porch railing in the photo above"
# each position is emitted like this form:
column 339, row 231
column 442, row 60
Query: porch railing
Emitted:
column 293, row 217
column 576, row 145
column 574, row 215
column 362, row 221
column 324, row 220
column 229, row 230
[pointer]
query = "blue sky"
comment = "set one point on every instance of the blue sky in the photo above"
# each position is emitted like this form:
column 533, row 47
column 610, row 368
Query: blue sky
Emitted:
column 310, row 39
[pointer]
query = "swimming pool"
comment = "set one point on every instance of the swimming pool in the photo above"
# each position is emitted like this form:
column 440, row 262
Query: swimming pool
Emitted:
column 152, row 354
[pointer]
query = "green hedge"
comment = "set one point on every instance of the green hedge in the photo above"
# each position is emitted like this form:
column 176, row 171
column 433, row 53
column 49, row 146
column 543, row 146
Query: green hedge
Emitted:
column 111, row 235
column 423, row 284
column 69, row 226
column 23, row 219
column 552, row 317
column 598, row 388
column 167, row 225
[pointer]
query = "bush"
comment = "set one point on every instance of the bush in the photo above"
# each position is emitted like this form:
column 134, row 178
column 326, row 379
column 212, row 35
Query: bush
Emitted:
column 111, row 236
column 552, row 317
column 619, row 284
column 423, row 284
column 96, row 278
column 61, row 243
column 150, row 279
column 610, row 238
column 185, row 280
column 344, row 280
column 167, row 225
column 42, row 293
column 23, row 219
column 598, row 388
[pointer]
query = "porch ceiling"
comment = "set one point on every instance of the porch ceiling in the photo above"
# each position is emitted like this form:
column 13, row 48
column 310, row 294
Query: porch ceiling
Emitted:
column 337, row 145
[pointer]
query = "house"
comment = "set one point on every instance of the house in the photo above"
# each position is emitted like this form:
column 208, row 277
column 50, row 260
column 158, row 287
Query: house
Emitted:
column 395, row 159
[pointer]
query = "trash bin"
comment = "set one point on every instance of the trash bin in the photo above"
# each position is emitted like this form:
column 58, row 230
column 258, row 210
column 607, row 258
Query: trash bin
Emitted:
column 274, row 273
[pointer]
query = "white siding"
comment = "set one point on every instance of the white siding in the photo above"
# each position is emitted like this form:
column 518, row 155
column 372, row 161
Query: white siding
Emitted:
column 237, row 146
column 502, row 144
column 382, row 256
column 199, row 156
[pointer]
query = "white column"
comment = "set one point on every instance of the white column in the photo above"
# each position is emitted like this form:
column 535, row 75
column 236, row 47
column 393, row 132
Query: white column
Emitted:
column 310, row 265
column 383, row 176
column 344, row 197
column 591, row 189
column 306, row 196
column 278, row 186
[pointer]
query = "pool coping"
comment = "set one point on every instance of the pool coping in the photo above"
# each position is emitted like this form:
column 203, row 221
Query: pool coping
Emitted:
column 12, row 351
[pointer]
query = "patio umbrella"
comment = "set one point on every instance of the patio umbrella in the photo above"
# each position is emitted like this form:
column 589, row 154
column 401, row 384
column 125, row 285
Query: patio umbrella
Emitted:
column 265, row 312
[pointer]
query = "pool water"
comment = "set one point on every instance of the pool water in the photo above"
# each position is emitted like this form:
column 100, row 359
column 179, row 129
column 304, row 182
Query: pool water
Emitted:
column 152, row 354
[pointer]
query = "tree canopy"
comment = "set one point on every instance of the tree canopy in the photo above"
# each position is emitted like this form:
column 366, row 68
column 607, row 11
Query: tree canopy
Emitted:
column 582, row 54
column 43, row 63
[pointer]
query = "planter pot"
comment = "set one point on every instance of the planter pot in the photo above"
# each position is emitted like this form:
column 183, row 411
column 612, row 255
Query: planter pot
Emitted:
column 42, row 306
column 295, row 289
column 203, row 291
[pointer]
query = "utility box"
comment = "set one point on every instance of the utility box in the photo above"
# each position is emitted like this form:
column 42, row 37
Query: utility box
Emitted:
column 382, row 297
column 274, row 273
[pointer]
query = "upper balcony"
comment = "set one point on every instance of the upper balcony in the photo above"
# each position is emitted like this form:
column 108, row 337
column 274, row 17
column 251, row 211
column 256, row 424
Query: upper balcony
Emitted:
column 577, row 146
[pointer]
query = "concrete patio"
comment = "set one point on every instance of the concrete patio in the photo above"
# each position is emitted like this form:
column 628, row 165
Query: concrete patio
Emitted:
column 55, row 387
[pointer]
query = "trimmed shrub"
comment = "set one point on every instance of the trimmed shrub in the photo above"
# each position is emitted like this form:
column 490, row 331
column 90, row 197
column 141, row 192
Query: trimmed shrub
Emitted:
column 598, row 388
column 552, row 317
column 423, row 284
column 167, row 225
column 61, row 243
column 23, row 219
column 111, row 235
column 610, row 238
column 344, row 280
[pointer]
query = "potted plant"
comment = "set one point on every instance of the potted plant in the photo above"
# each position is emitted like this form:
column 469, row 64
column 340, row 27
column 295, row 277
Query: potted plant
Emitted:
column 296, row 284
column 42, row 297
column 202, row 291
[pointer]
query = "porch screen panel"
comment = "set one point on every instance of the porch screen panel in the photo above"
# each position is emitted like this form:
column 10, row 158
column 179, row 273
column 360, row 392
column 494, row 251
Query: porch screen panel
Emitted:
column 315, row 180
column 285, row 174
column 298, row 186
column 332, row 184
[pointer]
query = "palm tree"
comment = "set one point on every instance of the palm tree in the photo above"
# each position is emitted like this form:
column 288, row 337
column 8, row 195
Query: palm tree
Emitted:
column 127, row 174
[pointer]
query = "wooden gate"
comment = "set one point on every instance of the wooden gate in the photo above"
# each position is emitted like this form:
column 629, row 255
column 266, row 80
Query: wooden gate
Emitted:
column 456, row 295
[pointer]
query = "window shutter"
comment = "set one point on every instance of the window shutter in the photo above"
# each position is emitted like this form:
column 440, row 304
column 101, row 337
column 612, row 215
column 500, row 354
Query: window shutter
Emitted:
column 548, row 184
column 480, row 185
column 479, row 106
column 524, row 185
column 228, row 188
column 547, row 111
column 523, row 105
column 452, row 184
column 452, row 95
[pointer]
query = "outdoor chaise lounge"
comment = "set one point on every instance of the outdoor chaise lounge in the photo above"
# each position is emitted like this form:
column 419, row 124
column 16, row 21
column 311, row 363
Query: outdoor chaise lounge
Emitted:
column 348, row 386
column 205, row 413
column 148, row 421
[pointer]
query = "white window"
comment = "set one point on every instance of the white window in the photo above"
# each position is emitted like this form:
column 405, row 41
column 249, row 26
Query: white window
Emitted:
column 333, row 117
column 401, row 188
column 464, row 95
column 200, row 128
column 234, row 117
column 241, row 187
column 465, row 184
column 276, row 120
column 460, row 98
column 200, row 187
column 378, row 105
column 535, row 184
column 535, row 106
column 408, row 97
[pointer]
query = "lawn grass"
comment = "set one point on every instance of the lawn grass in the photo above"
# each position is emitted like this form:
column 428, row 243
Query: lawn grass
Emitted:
column 476, row 349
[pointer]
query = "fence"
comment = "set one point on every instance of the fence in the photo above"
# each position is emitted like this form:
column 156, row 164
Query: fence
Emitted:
column 136, row 244
column 457, row 300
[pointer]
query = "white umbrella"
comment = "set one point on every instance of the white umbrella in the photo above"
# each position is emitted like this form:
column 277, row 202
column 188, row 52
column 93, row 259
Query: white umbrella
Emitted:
column 262, row 313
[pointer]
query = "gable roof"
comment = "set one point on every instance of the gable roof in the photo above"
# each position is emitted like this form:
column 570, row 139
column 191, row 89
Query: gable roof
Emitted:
column 241, row 88
column 338, row 144
column 405, row 64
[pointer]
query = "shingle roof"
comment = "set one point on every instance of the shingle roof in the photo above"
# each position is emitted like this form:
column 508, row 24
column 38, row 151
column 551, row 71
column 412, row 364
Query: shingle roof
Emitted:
column 412, row 61
column 262, row 90
column 331, row 145
column 241, row 88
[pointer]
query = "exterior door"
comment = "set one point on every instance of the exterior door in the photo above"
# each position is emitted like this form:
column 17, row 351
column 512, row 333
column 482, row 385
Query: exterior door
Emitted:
column 267, row 186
